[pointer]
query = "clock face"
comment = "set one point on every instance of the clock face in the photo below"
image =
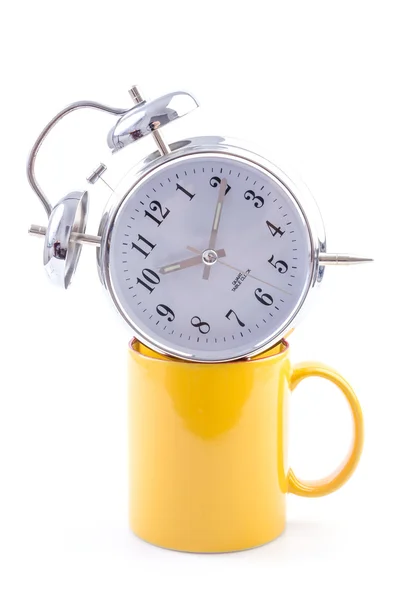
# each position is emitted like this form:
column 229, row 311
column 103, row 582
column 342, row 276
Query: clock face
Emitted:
column 210, row 258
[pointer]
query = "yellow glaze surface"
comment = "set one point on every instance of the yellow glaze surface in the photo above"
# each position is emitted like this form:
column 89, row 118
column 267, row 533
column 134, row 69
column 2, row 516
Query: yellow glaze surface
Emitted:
column 207, row 454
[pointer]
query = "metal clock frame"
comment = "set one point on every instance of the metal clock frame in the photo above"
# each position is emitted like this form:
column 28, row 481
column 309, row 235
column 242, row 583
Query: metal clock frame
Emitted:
column 200, row 147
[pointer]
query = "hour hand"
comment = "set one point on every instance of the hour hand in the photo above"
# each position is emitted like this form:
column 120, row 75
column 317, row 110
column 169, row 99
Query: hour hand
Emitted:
column 188, row 262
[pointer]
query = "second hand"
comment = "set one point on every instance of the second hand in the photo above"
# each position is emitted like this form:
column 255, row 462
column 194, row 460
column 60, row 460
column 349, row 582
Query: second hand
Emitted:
column 195, row 251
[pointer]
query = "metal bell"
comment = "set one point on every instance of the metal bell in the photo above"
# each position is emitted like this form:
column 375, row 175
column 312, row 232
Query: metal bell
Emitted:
column 147, row 117
column 62, row 251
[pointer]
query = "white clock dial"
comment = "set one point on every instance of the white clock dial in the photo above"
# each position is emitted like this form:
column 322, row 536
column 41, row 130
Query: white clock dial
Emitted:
column 210, row 258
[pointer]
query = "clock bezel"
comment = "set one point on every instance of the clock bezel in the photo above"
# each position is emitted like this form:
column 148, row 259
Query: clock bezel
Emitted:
column 202, row 146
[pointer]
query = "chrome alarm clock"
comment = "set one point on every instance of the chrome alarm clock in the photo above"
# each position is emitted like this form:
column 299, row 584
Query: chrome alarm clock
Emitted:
column 207, row 250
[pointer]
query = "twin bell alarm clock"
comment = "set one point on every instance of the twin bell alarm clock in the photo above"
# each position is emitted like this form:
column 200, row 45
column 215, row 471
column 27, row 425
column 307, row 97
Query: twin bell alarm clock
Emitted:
column 207, row 250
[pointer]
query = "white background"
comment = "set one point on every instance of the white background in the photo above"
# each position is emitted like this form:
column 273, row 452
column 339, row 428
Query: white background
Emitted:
column 312, row 83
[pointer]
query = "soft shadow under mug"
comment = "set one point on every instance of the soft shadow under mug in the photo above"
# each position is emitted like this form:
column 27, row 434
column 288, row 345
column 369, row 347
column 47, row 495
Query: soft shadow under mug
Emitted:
column 208, row 448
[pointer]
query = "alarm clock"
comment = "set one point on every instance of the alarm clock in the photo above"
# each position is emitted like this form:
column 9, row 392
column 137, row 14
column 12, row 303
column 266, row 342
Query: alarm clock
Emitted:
column 207, row 250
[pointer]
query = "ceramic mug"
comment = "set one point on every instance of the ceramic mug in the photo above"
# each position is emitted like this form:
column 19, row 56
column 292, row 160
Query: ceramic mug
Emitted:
column 208, row 447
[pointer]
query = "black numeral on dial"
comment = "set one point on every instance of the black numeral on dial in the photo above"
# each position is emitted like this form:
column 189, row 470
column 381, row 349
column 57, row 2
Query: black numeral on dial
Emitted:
column 215, row 181
column 258, row 200
column 274, row 230
column 231, row 312
column 150, row 277
column 179, row 187
column 155, row 206
column 149, row 245
column 280, row 265
column 165, row 311
column 203, row 327
column 265, row 299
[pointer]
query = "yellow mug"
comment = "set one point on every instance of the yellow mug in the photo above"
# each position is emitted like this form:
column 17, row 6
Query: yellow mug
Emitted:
column 208, row 447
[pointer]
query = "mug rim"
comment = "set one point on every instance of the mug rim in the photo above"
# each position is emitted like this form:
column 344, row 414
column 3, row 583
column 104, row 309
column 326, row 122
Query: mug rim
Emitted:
column 134, row 342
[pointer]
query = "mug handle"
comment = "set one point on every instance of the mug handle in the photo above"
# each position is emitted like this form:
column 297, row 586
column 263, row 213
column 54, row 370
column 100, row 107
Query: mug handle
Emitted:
column 322, row 487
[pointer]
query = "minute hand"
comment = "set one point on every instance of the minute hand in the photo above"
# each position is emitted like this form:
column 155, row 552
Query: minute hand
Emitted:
column 215, row 224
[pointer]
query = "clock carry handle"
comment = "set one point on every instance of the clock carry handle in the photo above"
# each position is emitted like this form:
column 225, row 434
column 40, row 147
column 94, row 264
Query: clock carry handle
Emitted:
column 35, row 150
column 67, row 220
column 335, row 480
